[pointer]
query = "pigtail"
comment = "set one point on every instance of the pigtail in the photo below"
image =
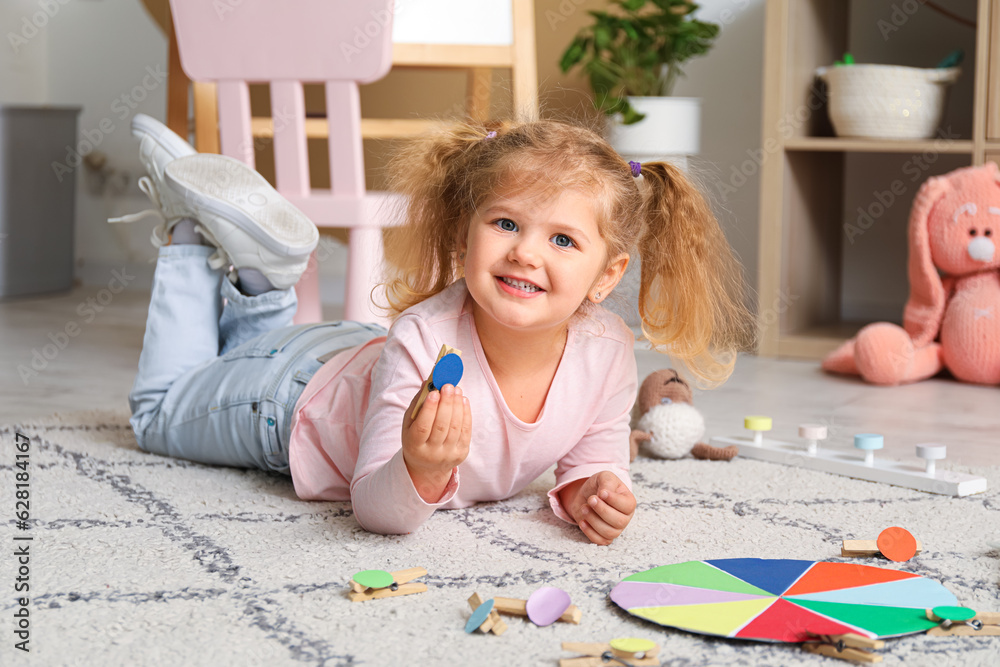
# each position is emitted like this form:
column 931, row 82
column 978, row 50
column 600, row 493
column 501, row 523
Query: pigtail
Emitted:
column 691, row 295
column 430, row 172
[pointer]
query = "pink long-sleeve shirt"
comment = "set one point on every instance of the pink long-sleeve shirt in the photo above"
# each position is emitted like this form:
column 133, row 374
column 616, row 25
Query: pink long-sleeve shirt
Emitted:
column 346, row 435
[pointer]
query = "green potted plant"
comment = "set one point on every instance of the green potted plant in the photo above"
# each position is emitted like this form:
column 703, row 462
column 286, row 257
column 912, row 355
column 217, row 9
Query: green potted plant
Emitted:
column 632, row 56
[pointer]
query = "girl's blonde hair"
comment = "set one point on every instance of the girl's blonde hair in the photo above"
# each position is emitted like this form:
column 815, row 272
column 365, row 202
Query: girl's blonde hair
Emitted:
column 691, row 295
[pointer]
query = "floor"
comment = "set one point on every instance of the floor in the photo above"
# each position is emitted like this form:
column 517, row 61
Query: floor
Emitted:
column 79, row 351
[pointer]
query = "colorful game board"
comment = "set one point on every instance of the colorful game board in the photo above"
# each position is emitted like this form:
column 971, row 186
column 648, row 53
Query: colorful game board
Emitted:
column 781, row 600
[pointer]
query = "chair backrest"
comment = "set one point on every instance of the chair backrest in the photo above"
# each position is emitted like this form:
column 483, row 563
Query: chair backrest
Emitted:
column 338, row 42
column 265, row 40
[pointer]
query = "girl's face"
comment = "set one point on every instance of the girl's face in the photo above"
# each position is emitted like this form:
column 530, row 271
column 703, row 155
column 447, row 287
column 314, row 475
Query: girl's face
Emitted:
column 530, row 262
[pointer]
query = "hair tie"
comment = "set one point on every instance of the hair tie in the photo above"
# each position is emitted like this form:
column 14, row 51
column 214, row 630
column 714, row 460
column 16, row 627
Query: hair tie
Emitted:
column 490, row 135
column 636, row 168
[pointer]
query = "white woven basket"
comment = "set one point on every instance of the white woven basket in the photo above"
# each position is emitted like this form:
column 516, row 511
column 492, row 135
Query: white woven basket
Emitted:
column 886, row 101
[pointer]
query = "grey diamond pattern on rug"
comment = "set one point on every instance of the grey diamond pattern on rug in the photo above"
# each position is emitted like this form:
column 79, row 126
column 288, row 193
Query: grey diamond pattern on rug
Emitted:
column 145, row 560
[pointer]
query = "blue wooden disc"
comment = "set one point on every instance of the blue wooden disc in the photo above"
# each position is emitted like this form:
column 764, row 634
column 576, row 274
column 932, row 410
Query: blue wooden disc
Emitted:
column 448, row 370
column 868, row 441
column 479, row 616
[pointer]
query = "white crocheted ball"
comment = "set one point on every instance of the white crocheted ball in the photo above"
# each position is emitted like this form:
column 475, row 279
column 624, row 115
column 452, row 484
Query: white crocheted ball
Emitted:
column 676, row 428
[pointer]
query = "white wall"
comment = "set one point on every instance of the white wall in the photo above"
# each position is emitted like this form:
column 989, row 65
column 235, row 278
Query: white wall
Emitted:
column 110, row 58
column 91, row 53
column 729, row 79
column 23, row 54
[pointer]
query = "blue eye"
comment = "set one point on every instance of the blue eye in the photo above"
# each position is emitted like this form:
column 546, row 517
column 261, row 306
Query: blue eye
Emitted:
column 506, row 225
column 563, row 241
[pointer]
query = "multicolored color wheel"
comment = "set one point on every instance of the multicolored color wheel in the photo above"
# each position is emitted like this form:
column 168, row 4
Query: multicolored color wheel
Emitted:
column 782, row 600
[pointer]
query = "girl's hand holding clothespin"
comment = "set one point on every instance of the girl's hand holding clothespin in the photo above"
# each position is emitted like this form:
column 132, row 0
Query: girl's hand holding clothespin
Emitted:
column 437, row 440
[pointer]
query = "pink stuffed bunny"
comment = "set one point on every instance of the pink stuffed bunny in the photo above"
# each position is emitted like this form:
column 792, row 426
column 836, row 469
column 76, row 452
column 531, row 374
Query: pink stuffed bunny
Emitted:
column 952, row 319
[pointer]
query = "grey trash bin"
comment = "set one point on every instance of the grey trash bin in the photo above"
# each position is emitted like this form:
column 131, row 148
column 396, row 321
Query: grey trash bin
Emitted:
column 37, row 199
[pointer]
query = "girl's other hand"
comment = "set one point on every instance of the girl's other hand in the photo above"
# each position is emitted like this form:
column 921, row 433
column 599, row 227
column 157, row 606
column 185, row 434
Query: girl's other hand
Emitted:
column 605, row 506
column 437, row 440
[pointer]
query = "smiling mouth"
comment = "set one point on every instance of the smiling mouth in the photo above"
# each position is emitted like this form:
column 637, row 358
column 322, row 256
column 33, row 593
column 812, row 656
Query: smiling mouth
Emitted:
column 521, row 285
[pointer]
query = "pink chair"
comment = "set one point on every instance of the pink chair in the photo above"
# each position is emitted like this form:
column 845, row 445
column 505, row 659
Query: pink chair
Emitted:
column 338, row 42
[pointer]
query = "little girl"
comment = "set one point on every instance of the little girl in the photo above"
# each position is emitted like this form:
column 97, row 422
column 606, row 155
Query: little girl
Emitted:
column 514, row 239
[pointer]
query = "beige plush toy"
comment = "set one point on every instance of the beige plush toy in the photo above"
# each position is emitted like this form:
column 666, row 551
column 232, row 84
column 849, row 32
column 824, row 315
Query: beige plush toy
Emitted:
column 669, row 426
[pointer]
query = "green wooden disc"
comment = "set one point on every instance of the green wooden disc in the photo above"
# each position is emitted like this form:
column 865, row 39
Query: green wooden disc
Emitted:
column 956, row 614
column 632, row 645
column 373, row 578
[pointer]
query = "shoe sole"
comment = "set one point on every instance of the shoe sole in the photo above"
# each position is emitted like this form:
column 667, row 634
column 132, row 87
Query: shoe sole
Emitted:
column 229, row 189
column 143, row 125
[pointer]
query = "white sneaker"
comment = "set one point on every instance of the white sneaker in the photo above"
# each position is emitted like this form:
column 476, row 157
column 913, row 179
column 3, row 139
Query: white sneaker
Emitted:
column 238, row 211
column 158, row 147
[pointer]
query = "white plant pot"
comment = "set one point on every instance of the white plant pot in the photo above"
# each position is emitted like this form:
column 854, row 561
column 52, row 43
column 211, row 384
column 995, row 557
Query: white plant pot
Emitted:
column 671, row 128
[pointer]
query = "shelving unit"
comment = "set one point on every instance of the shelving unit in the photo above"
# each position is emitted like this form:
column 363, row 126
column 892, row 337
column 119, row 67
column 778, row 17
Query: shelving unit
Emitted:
column 802, row 200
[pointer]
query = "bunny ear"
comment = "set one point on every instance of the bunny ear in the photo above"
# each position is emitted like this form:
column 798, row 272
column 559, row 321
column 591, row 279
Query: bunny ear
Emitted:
column 925, row 307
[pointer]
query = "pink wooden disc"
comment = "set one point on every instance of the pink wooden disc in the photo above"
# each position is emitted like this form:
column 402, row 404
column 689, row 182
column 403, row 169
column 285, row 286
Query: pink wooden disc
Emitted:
column 546, row 605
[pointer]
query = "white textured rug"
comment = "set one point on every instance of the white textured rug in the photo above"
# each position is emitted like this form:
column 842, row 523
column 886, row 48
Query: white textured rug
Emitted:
column 139, row 559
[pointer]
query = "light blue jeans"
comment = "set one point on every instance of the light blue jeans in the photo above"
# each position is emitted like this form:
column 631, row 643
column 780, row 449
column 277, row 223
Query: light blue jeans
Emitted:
column 220, row 372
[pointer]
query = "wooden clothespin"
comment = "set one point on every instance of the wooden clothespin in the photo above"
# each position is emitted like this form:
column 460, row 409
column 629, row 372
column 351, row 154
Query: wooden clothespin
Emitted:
column 447, row 370
column 624, row 651
column 484, row 617
column 964, row 622
column 515, row 607
column 895, row 543
column 846, row 647
column 375, row 584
